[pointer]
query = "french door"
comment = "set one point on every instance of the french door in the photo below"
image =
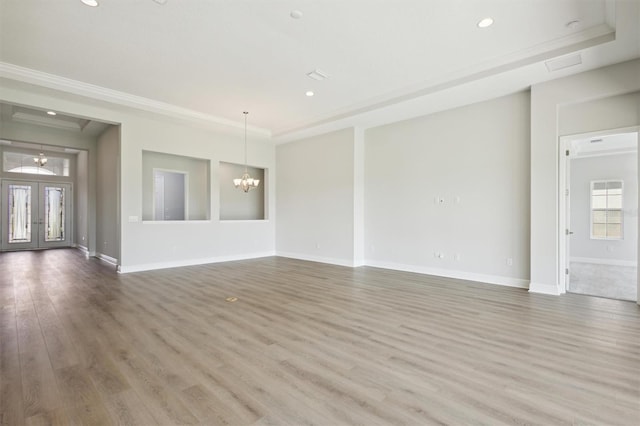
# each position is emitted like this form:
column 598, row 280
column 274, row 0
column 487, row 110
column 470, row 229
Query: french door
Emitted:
column 35, row 215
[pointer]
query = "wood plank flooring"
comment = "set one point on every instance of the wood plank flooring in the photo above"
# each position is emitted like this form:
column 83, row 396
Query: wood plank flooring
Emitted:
column 304, row 344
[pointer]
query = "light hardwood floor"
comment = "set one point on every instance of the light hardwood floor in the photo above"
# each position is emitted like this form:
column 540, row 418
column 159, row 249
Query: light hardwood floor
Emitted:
column 304, row 344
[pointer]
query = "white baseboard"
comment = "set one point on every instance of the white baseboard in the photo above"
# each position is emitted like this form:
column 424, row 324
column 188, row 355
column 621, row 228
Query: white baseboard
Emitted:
column 601, row 261
column 448, row 273
column 320, row 259
column 83, row 249
column 544, row 288
column 191, row 262
column 108, row 259
column 469, row 276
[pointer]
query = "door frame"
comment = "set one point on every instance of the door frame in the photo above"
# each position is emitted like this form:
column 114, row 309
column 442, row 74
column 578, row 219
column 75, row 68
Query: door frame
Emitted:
column 564, row 144
column 37, row 240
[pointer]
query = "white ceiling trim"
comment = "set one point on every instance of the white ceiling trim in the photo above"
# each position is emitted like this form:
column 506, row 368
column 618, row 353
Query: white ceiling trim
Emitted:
column 51, row 81
column 556, row 48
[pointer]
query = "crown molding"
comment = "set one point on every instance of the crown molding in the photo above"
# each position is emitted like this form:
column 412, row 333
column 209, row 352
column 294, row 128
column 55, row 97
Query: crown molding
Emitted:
column 52, row 81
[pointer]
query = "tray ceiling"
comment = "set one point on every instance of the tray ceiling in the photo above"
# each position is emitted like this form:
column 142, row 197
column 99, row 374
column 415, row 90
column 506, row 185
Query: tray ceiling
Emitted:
column 216, row 59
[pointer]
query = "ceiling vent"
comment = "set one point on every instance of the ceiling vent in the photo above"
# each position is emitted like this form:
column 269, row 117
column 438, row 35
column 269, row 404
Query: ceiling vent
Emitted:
column 564, row 62
column 318, row 75
column 595, row 140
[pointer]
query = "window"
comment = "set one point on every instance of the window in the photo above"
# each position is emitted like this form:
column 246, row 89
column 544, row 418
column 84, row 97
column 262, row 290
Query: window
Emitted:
column 606, row 210
column 17, row 162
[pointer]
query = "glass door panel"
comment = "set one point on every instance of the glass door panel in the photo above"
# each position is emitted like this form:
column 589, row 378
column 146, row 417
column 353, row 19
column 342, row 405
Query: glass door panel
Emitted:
column 54, row 218
column 19, row 215
column 54, row 213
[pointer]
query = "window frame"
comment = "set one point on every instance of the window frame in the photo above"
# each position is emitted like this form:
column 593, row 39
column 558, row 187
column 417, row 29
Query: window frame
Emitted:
column 606, row 210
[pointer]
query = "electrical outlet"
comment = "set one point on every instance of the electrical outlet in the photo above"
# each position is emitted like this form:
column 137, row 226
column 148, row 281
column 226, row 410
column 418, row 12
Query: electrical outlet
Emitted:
column 509, row 261
column 457, row 256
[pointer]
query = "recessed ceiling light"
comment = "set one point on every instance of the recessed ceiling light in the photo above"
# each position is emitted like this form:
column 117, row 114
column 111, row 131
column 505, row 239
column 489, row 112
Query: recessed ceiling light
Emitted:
column 92, row 3
column 296, row 14
column 486, row 22
column 309, row 93
column 51, row 113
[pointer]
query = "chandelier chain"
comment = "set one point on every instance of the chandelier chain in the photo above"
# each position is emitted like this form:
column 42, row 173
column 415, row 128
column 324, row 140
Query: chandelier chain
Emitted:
column 245, row 141
column 246, row 182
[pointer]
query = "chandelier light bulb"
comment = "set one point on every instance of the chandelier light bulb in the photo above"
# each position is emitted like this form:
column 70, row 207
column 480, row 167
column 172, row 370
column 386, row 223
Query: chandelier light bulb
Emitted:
column 40, row 160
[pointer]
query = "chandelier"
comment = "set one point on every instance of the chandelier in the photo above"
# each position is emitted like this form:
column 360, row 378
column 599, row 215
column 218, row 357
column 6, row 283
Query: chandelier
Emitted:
column 40, row 160
column 246, row 182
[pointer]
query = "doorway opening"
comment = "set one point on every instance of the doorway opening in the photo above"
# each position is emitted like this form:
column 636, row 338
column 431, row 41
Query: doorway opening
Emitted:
column 62, row 149
column 599, row 214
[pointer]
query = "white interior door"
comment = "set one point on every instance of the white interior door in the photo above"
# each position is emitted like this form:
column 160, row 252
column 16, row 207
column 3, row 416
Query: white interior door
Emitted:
column 35, row 215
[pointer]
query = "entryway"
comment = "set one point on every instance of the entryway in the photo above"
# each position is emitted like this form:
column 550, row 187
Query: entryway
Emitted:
column 601, row 232
column 37, row 215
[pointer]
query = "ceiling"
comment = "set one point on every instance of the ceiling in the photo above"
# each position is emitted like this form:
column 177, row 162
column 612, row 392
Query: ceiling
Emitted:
column 38, row 117
column 386, row 60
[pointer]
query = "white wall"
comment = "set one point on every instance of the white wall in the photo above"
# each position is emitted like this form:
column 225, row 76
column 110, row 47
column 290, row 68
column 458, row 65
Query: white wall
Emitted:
column 107, row 218
column 146, row 246
column 609, row 167
column 81, row 216
column 612, row 112
column 315, row 198
column 546, row 101
column 474, row 158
